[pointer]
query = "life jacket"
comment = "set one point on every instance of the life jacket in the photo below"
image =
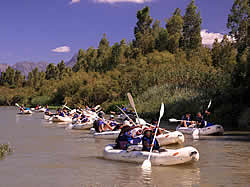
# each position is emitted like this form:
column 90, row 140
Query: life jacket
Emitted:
column 113, row 123
column 123, row 141
column 149, row 142
column 186, row 119
column 75, row 116
column 61, row 114
column 124, row 109
column 47, row 110
column 97, row 124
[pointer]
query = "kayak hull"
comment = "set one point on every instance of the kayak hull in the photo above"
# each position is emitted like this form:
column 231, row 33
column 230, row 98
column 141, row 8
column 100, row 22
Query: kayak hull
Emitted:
column 82, row 126
column 166, row 158
column 110, row 135
column 25, row 112
column 61, row 119
column 170, row 138
column 206, row 131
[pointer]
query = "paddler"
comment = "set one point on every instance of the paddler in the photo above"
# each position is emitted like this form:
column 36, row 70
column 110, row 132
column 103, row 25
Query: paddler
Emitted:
column 186, row 120
column 147, row 141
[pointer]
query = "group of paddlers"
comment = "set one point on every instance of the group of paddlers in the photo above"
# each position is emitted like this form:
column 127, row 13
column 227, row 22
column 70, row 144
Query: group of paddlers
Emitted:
column 199, row 121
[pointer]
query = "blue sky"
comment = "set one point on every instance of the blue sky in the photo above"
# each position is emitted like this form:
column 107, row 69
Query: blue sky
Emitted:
column 34, row 30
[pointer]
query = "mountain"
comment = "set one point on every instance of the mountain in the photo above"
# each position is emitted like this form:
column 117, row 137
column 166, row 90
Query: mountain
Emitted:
column 72, row 61
column 25, row 67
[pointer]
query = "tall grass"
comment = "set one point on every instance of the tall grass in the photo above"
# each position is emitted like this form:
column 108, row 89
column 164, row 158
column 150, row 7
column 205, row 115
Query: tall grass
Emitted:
column 5, row 149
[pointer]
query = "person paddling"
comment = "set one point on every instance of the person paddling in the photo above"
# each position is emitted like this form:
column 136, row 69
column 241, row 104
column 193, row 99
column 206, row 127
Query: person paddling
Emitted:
column 200, row 123
column 147, row 140
column 186, row 120
column 122, row 141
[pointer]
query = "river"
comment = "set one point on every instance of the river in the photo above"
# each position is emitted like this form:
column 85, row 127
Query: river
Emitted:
column 45, row 154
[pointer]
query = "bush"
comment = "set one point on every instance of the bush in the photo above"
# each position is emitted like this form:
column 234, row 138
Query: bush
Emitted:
column 108, row 107
column 40, row 100
column 2, row 100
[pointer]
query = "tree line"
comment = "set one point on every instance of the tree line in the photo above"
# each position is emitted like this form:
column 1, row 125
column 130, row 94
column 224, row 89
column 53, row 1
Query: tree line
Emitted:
column 162, row 63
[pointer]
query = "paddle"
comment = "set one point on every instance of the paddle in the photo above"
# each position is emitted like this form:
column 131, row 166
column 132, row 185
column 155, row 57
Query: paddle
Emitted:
column 64, row 106
column 147, row 164
column 132, row 103
column 209, row 104
column 125, row 114
column 175, row 120
column 17, row 105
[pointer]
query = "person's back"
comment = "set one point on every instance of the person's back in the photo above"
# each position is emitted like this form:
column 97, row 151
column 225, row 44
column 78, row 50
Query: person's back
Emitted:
column 122, row 140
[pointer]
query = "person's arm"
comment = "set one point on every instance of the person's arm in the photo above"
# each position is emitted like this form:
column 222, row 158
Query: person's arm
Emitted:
column 146, row 145
column 185, row 123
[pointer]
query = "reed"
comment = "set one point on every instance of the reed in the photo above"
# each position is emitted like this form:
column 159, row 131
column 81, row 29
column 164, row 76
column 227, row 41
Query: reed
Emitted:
column 5, row 149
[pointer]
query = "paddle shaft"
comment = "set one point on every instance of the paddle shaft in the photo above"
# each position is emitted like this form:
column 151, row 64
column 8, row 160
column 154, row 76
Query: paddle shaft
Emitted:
column 132, row 103
column 151, row 149
column 126, row 115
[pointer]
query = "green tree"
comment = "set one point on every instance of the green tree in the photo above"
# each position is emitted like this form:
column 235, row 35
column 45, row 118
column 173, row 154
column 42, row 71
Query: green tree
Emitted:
column 52, row 72
column 191, row 28
column 238, row 24
column 144, row 39
column 102, row 63
column 174, row 27
column 224, row 54
column 62, row 69
column 19, row 79
column 161, row 43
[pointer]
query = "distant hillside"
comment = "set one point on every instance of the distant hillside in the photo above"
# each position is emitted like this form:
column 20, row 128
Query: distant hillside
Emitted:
column 72, row 61
column 25, row 67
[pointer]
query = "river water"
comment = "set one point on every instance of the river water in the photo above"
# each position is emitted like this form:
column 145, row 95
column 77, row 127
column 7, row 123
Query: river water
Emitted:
column 45, row 154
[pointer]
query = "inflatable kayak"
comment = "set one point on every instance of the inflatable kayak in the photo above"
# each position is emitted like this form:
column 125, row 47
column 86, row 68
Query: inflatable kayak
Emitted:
column 81, row 126
column 206, row 131
column 164, row 158
column 25, row 112
column 58, row 118
column 107, row 135
column 170, row 138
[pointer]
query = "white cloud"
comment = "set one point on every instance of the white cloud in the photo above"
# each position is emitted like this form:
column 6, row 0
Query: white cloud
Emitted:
column 63, row 49
column 209, row 37
column 74, row 1
column 122, row 1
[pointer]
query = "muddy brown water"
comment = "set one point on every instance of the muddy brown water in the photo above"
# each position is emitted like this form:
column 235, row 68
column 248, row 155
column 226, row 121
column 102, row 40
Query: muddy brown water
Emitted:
column 45, row 154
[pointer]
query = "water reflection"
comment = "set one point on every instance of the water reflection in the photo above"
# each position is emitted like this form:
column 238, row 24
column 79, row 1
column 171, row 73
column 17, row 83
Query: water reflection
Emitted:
column 146, row 176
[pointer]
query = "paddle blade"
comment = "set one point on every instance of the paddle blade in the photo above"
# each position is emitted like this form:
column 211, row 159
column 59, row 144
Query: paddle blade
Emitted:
column 162, row 110
column 172, row 120
column 131, row 100
column 210, row 102
column 146, row 164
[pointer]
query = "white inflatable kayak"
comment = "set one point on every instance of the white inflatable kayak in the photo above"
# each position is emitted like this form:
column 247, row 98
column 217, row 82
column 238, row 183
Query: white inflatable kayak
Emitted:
column 163, row 139
column 170, row 138
column 25, row 112
column 58, row 118
column 39, row 110
column 81, row 126
column 107, row 135
column 166, row 158
column 206, row 131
